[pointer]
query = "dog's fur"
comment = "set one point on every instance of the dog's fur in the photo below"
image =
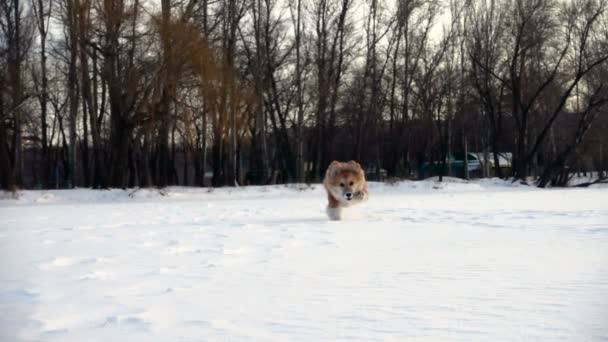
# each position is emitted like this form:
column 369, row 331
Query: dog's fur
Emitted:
column 345, row 185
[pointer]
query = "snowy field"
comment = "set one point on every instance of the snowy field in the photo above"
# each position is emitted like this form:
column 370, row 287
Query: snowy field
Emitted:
column 419, row 261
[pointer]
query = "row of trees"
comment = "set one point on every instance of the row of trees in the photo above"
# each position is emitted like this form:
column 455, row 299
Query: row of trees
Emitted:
column 121, row 93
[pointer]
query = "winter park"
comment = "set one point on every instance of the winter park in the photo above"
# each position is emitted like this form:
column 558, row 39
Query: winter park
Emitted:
column 303, row 170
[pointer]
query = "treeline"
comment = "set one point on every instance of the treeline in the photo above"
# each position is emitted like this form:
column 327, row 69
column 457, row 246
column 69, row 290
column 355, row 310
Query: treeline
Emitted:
column 123, row 93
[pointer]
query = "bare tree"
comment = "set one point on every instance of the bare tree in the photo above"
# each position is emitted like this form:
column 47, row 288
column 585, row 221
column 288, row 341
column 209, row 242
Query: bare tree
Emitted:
column 71, row 26
column 414, row 21
column 485, row 31
column 589, row 55
column 332, row 27
column 301, row 177
column 15, row 37
column 42, row 14
column 531, row 22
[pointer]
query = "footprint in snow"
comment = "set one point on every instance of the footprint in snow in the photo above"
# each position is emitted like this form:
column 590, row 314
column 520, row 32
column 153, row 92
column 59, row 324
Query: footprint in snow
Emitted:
column 62, row 262
column 128, row 322
column 148, row 244
column 181, row 250
column 65, row 262
column 95, row 275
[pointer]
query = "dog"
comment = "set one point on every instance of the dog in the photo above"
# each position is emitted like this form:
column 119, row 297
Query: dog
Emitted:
column 345, row 185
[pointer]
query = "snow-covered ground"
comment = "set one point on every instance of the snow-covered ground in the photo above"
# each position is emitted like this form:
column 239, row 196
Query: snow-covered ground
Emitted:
column 419, row 261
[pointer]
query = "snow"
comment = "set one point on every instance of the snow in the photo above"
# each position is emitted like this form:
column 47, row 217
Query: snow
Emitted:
column 464, row 261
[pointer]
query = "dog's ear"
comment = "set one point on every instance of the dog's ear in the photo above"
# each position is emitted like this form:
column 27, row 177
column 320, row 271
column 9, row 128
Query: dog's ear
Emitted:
column 355, row 164
column 333, row 167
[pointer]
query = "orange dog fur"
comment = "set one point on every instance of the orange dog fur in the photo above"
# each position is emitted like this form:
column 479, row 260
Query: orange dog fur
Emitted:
column 345, row 185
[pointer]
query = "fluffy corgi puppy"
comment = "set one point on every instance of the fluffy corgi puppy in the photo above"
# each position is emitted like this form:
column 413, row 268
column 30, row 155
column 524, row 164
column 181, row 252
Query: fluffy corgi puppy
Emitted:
column 345, row 186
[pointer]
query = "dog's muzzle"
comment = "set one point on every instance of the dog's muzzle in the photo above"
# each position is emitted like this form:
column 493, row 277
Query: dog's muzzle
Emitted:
column 348, row 196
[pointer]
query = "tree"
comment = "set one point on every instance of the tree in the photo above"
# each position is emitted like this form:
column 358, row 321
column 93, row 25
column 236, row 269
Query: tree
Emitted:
column 536, row 36
column 589, row 55
column 486, row 31
column 42, row 14
column 414, row 21
column 15, row 37
column 332, row 27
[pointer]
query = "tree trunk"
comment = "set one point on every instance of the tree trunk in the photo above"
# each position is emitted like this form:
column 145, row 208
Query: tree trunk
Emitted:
column 300, row 103
column 42, row 19
column 15, row 59
column 72, row 87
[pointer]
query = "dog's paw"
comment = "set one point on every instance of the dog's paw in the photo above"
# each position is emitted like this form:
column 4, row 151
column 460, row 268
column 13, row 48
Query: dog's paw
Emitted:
column 360, row 196
column 334, row 214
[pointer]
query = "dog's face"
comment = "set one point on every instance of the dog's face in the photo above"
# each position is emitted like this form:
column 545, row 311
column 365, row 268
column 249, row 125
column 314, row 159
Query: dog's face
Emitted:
column 345, row 180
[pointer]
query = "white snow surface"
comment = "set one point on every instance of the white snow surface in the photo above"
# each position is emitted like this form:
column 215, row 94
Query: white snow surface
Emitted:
column 464, row 261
